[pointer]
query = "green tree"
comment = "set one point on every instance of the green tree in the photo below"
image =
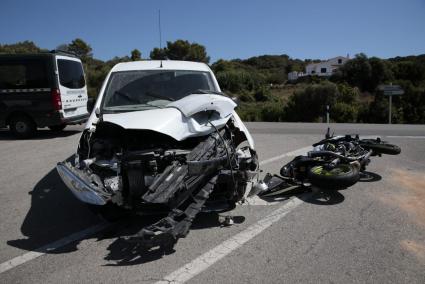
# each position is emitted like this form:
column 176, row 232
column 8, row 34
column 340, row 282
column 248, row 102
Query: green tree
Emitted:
column 365, row 73
column 413, row 71
column 21, row 47
column 158, row 54
column 81, row 49
column 136, row 55
column 181, row 50
column 357, row 71
column 381, row 72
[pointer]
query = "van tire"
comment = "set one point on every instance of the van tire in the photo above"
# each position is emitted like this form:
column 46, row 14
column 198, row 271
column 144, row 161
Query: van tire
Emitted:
column 57, row 128
column 22, row 126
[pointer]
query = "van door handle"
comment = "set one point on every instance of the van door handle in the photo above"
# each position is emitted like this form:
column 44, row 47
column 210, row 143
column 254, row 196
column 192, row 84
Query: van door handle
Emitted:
column 80, row 96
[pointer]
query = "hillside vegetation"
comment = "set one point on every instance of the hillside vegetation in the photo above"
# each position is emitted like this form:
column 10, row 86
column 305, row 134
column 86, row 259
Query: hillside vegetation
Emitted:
column 261, row 84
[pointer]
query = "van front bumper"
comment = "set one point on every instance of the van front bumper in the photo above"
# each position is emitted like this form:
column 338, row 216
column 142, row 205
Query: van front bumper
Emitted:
column 75, row 119
column 80, row 186
column 56, row 118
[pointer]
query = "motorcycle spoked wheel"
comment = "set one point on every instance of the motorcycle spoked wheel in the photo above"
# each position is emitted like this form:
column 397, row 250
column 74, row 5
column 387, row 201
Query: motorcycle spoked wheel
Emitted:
column 339, row 177
column 381, row 148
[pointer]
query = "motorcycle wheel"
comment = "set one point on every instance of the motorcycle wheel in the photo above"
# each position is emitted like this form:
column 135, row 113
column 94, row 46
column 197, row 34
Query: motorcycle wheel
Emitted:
column 382, row 148
column 341, row 176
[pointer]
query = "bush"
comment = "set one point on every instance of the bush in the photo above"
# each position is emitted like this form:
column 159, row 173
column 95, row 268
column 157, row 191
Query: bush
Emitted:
column 248, row 112
column 343, row 112
column 272, row 112
column 269, row 111
column 246, row 98
column 310, row 103
column 263, row 94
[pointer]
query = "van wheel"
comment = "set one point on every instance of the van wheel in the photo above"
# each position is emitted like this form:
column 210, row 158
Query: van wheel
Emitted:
column 22, row 126
column 57, row 128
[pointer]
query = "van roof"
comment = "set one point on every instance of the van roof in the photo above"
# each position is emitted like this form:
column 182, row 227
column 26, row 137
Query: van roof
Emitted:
column 156, row 65
column 40, row 54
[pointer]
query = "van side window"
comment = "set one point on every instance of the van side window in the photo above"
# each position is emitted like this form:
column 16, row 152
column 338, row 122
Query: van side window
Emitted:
column 71, row 74
column 26, row 74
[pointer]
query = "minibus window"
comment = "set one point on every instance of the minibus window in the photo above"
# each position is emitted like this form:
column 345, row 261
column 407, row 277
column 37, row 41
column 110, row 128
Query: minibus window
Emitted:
column 71, row 74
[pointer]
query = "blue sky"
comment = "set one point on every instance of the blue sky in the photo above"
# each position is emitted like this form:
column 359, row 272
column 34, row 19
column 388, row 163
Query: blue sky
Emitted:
column 229, row 29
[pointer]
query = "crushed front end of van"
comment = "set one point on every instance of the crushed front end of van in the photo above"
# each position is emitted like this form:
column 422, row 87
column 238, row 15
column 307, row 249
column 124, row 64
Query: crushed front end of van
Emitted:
column 173, row 152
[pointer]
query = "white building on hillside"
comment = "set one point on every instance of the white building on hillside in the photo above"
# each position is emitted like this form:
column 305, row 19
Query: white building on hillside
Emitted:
column 323, row 68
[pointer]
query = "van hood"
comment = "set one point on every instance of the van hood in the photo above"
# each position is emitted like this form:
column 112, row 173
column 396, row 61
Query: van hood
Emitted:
column 187, row 117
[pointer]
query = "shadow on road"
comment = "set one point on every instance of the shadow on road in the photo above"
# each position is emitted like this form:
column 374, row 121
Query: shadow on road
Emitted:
column 325, row 197
column 54, row 214
column 318, row 196
column 369, row 177
column 41, row 134
column 123, row 253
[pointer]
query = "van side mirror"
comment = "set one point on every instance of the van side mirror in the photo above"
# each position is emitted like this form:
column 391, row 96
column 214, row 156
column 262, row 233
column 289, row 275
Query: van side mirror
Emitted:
column 97, row 112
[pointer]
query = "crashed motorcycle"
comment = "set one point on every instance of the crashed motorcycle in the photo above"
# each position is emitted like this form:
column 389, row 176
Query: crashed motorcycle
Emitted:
column 335, row 162
column 162, row 139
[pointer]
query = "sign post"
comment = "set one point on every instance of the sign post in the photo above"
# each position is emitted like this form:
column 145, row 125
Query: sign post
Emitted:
column 327, row 114
column 390, row 91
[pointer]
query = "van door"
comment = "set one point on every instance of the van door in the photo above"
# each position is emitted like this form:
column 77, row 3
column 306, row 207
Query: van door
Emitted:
column 72, row 86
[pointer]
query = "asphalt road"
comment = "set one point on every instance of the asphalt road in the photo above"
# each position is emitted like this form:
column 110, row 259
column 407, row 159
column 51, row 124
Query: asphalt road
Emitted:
column 373, row 232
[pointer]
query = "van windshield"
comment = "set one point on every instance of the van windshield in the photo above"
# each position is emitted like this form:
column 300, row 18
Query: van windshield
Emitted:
column 147, row 89
column 71, row 74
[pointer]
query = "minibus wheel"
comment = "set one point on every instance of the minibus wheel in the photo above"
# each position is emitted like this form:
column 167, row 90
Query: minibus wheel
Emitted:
column 22, row 126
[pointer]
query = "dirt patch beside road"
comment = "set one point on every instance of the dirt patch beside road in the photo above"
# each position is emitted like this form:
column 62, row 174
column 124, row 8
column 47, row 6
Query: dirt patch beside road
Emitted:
column 411, row 197
column 415, row 248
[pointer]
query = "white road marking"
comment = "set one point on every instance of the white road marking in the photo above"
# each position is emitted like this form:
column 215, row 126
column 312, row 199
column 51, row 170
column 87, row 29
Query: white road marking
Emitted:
column 301, row 151
column 253, row 230
column 5, row 266
column 411, row 137
column 207, row 259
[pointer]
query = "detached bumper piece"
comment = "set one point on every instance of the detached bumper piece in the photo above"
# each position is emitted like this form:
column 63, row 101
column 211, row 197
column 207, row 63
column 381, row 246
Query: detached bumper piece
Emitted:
column 168, row 230
column 86, row 189
column 183, row 192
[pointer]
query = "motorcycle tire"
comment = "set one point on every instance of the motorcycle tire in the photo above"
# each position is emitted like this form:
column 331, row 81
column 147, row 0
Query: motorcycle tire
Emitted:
column 339, row 177
column 382, row 148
